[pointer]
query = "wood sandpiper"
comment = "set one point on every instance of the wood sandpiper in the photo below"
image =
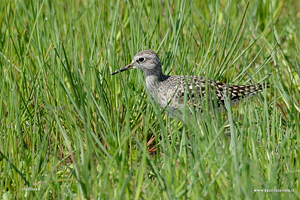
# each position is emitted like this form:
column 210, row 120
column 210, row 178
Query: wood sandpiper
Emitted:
column 170, row 91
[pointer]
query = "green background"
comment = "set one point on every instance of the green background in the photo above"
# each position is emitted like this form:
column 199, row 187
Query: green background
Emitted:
column 71, row 130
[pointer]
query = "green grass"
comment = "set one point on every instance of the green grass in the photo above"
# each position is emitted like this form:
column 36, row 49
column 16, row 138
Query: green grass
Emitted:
column 71, row 130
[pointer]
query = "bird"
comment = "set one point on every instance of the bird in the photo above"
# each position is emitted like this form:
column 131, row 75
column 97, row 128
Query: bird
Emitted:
column 170, row 91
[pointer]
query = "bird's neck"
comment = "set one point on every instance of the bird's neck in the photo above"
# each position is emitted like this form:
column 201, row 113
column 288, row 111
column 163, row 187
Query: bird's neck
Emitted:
column 153, row 82
column 154, row 77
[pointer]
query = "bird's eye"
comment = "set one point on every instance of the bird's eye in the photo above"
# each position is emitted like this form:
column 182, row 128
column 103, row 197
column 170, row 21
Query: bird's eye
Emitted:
column 141, row 59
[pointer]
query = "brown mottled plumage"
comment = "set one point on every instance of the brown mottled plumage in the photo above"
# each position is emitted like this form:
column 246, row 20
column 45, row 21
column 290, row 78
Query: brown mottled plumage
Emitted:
column 170, row 91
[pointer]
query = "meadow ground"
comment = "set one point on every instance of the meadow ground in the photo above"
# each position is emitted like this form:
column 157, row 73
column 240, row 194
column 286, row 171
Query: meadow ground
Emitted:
column 71, row 130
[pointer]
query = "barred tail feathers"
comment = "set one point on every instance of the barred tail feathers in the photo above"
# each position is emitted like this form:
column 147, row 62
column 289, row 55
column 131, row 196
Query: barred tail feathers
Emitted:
column 241, row 92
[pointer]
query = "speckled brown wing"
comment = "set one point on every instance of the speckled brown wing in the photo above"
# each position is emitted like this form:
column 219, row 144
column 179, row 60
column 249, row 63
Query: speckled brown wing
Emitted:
column 216, row 89
column 241, row 92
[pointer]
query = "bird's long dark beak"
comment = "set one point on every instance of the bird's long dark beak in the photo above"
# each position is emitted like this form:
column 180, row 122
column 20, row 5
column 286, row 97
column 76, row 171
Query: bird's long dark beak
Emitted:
column 130, row 66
